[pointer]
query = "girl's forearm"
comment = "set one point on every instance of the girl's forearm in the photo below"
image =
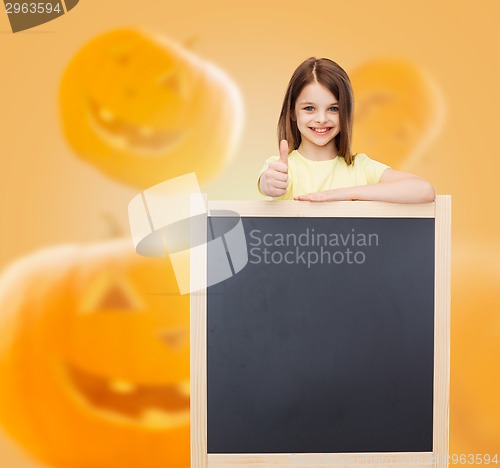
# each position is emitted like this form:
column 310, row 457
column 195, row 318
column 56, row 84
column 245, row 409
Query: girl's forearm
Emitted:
column 404, row 190
column 408, row 190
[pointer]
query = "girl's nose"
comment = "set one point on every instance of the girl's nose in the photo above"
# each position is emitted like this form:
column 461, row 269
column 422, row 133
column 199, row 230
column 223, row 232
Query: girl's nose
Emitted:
column 320, row 117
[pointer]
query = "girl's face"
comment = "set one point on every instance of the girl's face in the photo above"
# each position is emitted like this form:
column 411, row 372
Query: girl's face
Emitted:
column 317, row 115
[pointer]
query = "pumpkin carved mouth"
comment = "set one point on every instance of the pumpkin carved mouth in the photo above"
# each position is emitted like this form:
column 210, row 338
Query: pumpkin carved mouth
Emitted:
column 153, row 405
column 123, row 134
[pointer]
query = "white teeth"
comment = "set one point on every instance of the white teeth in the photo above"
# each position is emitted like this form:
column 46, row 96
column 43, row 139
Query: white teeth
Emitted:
column 106, row 115
column 120, row 141
column 183, row 388
column 157, row 417
column 121, row 386
column 320, row 130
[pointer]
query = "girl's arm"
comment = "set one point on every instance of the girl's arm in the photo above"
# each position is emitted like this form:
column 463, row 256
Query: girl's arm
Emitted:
column 394, row 186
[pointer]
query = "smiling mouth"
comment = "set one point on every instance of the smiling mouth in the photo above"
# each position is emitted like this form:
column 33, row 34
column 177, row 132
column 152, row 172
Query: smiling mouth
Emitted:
column 161, row 406
column 123, row 134
column 321, row 130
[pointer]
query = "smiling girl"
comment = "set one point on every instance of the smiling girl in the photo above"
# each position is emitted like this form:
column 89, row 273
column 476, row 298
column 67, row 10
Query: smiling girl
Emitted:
column 316, row 123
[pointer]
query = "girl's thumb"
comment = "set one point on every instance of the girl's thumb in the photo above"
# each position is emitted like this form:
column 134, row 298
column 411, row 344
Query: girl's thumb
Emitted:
column 284, row 151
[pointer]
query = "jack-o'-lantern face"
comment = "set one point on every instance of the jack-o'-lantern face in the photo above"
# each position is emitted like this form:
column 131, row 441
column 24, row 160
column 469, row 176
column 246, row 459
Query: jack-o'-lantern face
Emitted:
column 137, row 96
column 143, row 109
column 97, row 355
column 114, row 316
column 398, row 110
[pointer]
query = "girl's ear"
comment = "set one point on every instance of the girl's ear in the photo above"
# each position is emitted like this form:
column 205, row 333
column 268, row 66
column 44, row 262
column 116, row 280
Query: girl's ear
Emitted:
column 292, row 115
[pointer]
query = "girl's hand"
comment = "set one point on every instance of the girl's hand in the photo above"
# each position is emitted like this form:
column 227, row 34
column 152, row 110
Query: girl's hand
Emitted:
column 340, row 194
column 274, row 180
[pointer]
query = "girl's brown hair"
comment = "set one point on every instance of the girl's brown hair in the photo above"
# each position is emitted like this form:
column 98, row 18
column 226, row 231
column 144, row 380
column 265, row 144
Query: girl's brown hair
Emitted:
column 333, row 77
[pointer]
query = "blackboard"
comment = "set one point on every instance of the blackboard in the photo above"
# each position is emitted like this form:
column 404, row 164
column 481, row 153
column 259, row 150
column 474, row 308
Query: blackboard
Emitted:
column 325, row 341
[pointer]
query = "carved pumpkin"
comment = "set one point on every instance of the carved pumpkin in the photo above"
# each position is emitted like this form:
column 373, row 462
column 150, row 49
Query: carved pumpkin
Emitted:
column 94, row 358
column 143, row 109
column 398, row 110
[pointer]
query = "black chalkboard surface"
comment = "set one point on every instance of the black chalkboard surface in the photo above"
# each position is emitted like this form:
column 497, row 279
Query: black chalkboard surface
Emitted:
column 324, row 342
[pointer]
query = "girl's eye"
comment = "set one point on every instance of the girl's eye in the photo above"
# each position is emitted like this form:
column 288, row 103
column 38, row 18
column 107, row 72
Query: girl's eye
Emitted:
column 309, row 108
column 334, row 109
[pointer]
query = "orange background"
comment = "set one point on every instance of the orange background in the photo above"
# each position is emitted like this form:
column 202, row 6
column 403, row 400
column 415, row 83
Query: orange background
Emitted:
column 48, row 196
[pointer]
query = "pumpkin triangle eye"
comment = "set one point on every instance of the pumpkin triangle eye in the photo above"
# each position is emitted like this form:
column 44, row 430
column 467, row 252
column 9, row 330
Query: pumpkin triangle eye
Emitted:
column 111, row 293
column 121, row 53
column 123, row 59
column 176, row 339
column 115, row 298
column 171, row 82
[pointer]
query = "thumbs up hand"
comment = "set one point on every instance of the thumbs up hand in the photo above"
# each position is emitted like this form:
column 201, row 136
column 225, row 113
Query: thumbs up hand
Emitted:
column 274, row 180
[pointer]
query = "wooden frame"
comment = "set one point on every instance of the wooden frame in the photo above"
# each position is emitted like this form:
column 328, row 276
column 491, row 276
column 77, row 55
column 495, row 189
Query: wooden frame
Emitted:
column 441, row 211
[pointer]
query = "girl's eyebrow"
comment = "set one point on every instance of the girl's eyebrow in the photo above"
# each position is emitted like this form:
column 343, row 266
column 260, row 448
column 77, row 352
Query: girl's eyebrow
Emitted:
column 308, row 102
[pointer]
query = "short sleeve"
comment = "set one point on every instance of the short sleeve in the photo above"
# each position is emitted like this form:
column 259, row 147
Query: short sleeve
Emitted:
column 373, row 169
